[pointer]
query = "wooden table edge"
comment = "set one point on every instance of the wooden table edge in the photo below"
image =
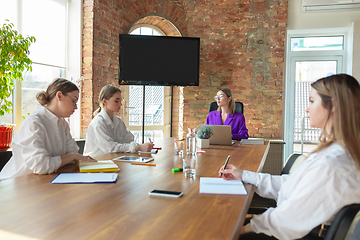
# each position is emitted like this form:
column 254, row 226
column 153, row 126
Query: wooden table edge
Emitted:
column 241, row 219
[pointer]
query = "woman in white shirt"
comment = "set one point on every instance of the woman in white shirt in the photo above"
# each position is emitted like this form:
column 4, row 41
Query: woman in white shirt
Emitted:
column 107, row 132
column 43, row 142
column 326, row 181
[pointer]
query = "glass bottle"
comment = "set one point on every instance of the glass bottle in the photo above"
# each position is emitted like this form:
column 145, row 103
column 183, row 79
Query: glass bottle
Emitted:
column 191, row 142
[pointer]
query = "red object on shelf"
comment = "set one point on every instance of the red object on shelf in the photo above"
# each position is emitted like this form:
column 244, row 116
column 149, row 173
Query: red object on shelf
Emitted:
column 6, row 136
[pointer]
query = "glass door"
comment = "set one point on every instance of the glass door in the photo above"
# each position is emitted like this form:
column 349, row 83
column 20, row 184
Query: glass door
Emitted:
column 310, row 55
column 306, row 72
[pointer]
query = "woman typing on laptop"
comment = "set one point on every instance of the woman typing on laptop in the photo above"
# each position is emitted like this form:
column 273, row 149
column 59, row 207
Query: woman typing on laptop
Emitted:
column 226, row 115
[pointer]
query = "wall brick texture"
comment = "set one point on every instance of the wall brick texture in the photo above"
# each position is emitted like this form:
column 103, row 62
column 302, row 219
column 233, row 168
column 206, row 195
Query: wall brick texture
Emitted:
column 242, row 48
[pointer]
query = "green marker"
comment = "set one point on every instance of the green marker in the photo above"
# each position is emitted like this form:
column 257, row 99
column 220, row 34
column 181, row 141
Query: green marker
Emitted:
column 177, row 170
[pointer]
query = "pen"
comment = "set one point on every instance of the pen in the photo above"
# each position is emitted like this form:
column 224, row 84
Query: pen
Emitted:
column 177, row 170
column 147, row 164
column 150, row 140
column 226, row 162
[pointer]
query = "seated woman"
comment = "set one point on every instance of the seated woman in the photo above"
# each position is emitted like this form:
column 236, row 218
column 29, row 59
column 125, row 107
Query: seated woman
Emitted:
column 226, row 115
column 326, row 181
column 43, row 142
column 107, row 132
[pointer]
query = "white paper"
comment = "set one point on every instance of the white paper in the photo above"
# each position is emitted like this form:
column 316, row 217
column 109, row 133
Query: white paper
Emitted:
column 221, row 186
column 85, row 178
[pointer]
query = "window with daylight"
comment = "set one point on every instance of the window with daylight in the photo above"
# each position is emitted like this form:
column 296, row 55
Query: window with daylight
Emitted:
column 48, row 53
column 47, row 21
column 309, row 57
column 156, row 122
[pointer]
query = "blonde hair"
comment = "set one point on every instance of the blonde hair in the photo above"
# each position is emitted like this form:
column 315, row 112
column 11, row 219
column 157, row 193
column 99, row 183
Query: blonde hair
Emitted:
column 228, row 93
column 106, row 93
column 58, row 84
column 341, row 93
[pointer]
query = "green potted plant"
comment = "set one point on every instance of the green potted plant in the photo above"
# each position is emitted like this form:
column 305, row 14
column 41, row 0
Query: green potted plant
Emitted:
column 14, row 60
column 203, row 134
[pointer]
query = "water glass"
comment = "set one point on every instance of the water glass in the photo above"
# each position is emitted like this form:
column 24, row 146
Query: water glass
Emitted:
column 189, row 166
column 178, row 147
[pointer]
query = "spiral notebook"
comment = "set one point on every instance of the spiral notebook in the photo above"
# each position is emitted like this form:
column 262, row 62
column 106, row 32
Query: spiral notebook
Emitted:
column 221, row 186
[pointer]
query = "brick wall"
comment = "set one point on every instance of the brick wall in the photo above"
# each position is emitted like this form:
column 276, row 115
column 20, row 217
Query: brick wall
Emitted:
column 242, row 48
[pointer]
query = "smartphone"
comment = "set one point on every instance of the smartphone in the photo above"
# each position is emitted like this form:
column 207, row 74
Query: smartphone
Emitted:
column 166, row 193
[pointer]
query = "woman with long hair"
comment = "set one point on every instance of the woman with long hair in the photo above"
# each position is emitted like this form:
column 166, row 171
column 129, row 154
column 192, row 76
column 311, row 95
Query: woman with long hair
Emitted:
column 329, row 179
column 226, row 115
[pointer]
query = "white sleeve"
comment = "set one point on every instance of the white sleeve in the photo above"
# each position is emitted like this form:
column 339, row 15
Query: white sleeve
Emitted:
column 313, row 201
column 126, row 135
column 71, row 146
column 31, row 148
column 107, row 144
column 266, row 185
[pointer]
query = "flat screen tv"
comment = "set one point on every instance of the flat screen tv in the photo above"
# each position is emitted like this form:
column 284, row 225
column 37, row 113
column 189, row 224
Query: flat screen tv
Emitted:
column 159, row 60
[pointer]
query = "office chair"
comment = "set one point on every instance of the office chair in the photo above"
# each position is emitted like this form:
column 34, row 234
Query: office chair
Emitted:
column 260, row 204
column 81, row 144
column 239, row 107
column 4, row 158
column 344, row 223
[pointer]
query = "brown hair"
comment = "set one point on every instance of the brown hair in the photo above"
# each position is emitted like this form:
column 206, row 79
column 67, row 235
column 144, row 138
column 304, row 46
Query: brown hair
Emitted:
column 228, row 93
column 341, row 93
column 58, row 84
column 106, row 93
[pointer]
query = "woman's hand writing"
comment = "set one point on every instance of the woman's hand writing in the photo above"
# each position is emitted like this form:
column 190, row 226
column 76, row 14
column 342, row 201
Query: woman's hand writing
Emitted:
column 231, row 172
column 146, row 147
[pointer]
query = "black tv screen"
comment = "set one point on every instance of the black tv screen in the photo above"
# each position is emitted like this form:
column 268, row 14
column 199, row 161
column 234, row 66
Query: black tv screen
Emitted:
column 159, row 60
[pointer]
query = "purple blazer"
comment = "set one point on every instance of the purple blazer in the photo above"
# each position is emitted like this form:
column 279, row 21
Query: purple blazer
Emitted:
column 236, row 121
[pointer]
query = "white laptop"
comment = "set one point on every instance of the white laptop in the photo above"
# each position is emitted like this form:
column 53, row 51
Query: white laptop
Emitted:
column 221, row 135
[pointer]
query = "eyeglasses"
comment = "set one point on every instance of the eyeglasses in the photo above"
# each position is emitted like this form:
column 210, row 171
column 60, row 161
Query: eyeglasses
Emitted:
column 218, row 97
column 74, row 100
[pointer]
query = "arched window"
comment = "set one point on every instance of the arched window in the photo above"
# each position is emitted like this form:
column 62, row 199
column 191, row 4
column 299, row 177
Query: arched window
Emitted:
column 157, row 105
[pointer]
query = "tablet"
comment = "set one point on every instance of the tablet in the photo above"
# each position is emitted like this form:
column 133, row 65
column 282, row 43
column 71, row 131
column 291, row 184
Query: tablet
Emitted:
column 133, row 159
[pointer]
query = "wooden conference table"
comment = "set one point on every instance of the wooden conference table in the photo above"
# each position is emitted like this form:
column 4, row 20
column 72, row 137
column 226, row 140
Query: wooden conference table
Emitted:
column 33, row 208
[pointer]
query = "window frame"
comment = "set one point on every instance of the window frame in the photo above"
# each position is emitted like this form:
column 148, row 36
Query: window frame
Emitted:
column 293, row 56
column 73, row 62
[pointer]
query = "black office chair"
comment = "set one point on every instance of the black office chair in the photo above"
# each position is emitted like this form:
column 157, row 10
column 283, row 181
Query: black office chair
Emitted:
column 239, row 107
column 81, row 144
column 344, row 223
column 4, row 158
column 260, row 204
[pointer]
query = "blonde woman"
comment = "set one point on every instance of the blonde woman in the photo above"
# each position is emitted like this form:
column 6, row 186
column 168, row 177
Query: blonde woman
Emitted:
column 43, row 142
column 107, row 132
column 226, row 115
column 309, row 198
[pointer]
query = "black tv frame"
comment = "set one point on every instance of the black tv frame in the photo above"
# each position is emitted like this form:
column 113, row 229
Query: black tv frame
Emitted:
column 165, row 60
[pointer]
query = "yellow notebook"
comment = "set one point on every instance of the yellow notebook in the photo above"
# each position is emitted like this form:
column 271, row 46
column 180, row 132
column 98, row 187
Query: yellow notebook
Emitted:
column 99, row 166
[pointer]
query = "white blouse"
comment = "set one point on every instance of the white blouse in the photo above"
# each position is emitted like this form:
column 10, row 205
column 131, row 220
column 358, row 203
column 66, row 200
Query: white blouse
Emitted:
column 107, row 136
column 311, row 195
column 40, row 141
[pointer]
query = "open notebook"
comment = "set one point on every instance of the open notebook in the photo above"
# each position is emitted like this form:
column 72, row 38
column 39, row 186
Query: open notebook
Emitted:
column 220, row 186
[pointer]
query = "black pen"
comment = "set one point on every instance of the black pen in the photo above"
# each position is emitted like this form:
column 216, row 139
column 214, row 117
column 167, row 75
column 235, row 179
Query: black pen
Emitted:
column 226, row 162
